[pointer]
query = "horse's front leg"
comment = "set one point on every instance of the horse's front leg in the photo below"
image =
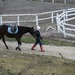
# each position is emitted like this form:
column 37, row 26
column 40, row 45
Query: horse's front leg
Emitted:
column 3, row 39
column 19, row 44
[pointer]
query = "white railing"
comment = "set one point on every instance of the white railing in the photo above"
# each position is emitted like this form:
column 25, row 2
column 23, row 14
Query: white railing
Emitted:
column 61, row 19
column 54, row 1
column 62, row 22
column 36, row 17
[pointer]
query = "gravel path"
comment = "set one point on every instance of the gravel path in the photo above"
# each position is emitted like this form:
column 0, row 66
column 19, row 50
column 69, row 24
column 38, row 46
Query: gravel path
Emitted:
column 58, row 51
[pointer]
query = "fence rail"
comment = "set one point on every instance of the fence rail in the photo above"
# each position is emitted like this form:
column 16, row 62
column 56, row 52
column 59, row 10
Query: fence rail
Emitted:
column 54, row 1
column 62, row 25
column 51, row 15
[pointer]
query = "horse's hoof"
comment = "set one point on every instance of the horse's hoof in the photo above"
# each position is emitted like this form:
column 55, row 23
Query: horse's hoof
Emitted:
column 18, row 48
column 7, row 47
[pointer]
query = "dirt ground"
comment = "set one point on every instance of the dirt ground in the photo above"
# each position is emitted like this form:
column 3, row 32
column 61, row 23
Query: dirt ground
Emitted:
column 58, row 51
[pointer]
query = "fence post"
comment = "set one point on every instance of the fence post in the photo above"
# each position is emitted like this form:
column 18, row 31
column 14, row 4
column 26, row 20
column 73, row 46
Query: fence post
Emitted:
column 52, row 17
column 0, row 20
column 18, row 20
column 64, row 29
column 30, row 0
column 37, row 21
column 58, row 28
column 41, row 0
column 64, row 1
column 52, row 1
column 64, row 18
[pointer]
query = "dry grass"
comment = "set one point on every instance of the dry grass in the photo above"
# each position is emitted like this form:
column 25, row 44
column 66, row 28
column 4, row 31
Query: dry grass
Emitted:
column 17, row 63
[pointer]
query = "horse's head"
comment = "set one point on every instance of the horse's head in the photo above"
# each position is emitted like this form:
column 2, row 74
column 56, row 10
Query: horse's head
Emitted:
column 32, row 32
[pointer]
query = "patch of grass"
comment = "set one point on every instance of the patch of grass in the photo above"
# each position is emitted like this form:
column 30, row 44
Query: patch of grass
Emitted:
column 30, row 39
column 17, row 63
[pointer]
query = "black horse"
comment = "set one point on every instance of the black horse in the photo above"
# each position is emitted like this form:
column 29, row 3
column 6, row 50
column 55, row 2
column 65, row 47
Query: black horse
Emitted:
column 21, row 30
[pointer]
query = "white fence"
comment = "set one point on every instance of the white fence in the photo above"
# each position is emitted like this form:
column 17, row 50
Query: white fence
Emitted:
column 63, row 24
column 61, row 19
column 20, row 18
column 54, row 1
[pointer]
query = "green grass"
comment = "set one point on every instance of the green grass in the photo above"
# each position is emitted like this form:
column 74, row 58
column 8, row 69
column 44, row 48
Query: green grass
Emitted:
column 30, row 39
column 17, row 63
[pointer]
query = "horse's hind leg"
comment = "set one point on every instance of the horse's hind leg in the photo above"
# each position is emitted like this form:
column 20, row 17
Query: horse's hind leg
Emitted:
column 3, row 39
column 0, row 37
column 19, row 44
